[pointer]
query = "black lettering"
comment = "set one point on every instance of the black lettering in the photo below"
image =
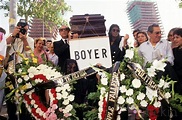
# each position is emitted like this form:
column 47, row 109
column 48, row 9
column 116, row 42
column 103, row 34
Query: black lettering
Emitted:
column 104, row 51
column 96, row 53
column 77, row 57
column 89, row 52
column 83, row 54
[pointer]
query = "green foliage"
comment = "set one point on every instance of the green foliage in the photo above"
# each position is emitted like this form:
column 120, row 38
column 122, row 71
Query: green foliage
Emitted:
column 176, row 102
column 180, row 5
column 91, row 115
column 50, row 11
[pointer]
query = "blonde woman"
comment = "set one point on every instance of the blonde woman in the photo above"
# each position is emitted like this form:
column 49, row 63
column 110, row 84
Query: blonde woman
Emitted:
column 39, row 50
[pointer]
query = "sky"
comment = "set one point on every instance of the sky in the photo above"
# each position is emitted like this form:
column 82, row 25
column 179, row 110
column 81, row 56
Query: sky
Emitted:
column 114, row 11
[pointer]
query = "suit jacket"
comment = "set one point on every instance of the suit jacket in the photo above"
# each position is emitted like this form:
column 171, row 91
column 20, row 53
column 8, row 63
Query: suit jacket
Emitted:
column 62, row 50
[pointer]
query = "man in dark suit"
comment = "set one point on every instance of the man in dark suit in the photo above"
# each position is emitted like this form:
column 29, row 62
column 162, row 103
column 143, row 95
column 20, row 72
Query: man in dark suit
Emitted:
column 61, row 47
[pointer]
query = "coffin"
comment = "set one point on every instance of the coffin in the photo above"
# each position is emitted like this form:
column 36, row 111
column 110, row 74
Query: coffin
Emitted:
column 88, row 25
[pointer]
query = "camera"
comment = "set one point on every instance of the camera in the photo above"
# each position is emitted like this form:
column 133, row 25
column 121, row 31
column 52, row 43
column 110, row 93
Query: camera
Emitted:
column 22, row 23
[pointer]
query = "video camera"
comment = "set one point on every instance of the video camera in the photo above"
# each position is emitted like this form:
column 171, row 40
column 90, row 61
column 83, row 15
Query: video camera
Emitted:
column 22, row 23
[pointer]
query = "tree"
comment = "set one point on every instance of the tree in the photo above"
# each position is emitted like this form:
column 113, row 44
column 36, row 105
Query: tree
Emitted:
column 50, row 11
column 180, row 4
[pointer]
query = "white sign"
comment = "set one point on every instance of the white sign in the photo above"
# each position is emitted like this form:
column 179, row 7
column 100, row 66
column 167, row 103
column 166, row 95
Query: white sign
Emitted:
column 90, row 51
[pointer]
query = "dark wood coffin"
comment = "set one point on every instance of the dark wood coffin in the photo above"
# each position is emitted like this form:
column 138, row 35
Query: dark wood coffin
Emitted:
column 88, row 25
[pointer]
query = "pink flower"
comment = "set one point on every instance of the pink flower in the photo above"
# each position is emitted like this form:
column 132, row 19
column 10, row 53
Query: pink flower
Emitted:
column 54, row 106
column 60, row 109
column 67, row 115
column 52, row 116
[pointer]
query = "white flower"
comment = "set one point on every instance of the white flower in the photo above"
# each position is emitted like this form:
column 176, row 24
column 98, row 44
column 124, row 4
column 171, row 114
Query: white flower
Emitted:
column 157, row 104
column 42, row 67
column 143, row 103
column 159, row 65
column 32, row 70
column 28, row 85
column 141, row 96
column 20, row 70
column 136, row 83
column 138, row 65
column 31, row 75
column 123, row 89
column 104, row 81
column 129, row 92
column 102, row 90
column 67, row 87
column 32, row 102
column 71, row 97
column 166, row 85
column 64, row 94
column 129, row 53
column 35, row 105
column 20, row 80
column 58, row 96
column 66, row 102
column 167, row 95
column 68, row 108
column 129, row 100
column 151, row 93
column 26, row 77
column 99, row 116
column 151, row 71
column 161, row 83
column 121, row 100
column 100, row 103
column 122, row 77
column 58, row 89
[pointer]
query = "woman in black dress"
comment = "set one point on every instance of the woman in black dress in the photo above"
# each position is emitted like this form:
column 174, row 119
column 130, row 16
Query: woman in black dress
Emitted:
column 177, row 51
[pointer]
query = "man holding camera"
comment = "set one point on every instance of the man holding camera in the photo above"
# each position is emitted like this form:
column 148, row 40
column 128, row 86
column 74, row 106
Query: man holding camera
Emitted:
column 18, row 41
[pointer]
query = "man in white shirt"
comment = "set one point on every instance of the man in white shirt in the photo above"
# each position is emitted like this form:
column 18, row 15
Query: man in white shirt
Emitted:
column 22, row 43
column 156, row 48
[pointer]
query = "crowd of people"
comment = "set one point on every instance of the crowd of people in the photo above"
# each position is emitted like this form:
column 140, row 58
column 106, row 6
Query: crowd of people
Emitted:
column 149, row 43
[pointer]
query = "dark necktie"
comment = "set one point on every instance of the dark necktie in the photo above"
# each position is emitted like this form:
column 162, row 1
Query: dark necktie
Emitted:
column 66, row 41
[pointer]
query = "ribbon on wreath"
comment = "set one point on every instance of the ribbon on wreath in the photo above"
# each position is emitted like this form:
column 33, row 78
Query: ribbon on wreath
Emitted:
column 113, row 92
column 141, row 74
column 52, row 83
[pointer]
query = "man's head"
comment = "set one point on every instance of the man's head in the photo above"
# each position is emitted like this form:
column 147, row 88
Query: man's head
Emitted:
column 154, row 33
column 63, row 31
column 23, row 26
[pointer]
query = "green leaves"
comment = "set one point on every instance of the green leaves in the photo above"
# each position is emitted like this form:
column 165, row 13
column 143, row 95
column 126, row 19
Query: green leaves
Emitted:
column 50, row 11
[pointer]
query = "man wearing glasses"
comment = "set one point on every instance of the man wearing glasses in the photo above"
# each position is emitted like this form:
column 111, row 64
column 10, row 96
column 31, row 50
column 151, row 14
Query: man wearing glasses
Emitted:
column 61, row 47
column 155, row 47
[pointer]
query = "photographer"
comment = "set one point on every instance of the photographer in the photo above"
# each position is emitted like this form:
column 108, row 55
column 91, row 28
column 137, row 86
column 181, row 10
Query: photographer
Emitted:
column 19, row 41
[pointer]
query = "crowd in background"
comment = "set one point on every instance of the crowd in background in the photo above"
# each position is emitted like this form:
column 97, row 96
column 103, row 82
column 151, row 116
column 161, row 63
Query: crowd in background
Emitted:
column 149, row 43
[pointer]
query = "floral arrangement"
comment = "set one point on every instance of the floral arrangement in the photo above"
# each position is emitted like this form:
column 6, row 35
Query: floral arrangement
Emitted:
column 133, row 92
column 31, row 74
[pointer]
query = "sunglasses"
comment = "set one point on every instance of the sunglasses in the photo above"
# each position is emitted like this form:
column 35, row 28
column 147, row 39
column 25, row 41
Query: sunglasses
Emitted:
column 115, row 30
column 64, row 29
column 157, row 33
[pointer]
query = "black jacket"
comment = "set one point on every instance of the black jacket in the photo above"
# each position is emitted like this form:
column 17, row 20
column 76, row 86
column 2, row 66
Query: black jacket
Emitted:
column 62, row 50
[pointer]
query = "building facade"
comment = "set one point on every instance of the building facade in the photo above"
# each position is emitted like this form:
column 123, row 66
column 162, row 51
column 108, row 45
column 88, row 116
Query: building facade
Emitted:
column 143, row 13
